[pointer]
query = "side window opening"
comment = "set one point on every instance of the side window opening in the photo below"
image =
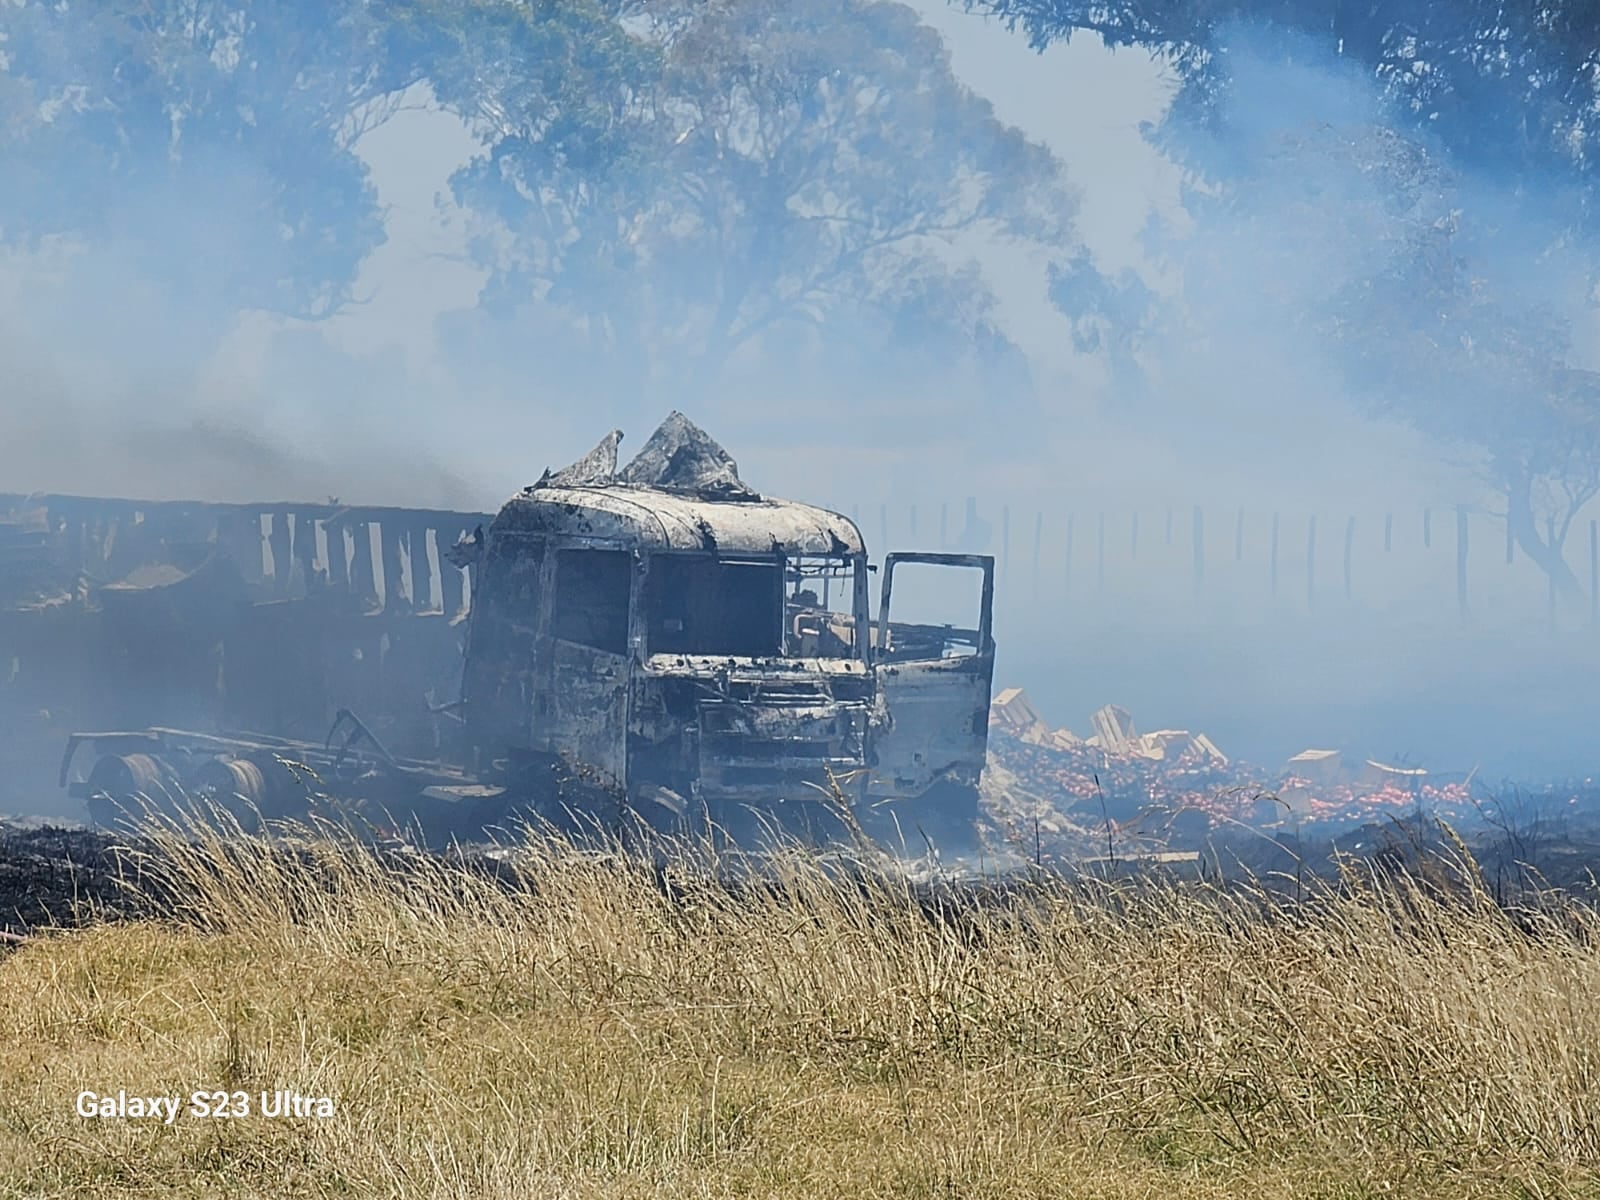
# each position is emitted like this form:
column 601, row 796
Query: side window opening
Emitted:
column 508, row 600
column 945, row 602
column 591, row 598
column 819, row 610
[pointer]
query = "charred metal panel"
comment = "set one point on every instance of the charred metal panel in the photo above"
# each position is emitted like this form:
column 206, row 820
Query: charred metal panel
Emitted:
column 498, row 683
column 157, row 640
column 931, row 723
column 773, row 752
column 581, row 666
column 585, row 710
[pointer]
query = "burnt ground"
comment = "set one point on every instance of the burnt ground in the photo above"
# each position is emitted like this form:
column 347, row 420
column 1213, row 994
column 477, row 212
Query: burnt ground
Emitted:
column 54, row 876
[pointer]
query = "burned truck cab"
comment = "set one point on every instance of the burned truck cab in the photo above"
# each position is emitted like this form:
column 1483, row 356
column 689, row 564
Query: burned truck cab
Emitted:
column 667, row 637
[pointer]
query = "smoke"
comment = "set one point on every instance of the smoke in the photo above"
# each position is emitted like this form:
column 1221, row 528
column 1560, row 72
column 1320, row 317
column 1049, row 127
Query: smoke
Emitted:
column 130, row 368
column 1374, row 637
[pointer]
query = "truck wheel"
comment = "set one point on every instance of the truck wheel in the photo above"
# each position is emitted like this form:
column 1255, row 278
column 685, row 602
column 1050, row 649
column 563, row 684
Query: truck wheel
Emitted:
column 126, row 789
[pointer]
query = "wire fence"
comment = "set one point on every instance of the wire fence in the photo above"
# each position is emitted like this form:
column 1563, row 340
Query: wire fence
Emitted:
column 1204, row 561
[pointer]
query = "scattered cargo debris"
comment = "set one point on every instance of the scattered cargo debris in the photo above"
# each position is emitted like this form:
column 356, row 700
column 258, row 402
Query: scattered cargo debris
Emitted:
column 1380, row 775
column 1320, row 766
column 1171, row 784
column 1013, row 712
column 1113, row 728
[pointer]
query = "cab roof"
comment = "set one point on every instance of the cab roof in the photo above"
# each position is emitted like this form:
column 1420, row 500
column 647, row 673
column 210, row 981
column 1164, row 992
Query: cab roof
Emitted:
column 659, row 520
column 681, row 492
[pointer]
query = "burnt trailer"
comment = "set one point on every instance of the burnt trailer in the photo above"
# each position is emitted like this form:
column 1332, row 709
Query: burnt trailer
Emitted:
column 663, row 643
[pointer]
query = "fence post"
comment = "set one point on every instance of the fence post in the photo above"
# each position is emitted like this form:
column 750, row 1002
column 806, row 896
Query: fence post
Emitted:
column 1199, row 547
column 1349, row 549
column 1549, row 540
column 1274, row 554
column 1038, row 539
column 1311, row 563
column 1594, row 573
column 1100, row 556
column 1066, row 564
column 1461, row 559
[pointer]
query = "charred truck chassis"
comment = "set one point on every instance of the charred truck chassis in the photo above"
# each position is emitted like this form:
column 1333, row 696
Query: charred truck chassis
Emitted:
column 659, row 641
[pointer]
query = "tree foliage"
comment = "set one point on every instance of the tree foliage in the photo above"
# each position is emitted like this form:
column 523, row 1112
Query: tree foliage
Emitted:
column 707, row 176
column 210, row 142
column 674, row 182
column 1509, row 87
column 1447, row 230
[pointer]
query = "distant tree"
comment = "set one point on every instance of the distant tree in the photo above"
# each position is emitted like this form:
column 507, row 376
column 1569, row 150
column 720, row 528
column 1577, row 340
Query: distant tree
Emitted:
column 708, row 177
column 674, row 181
column 1110, row 315
column 1426, row 338
column 1421, row 325
column 1507, row 87
column 211, row 142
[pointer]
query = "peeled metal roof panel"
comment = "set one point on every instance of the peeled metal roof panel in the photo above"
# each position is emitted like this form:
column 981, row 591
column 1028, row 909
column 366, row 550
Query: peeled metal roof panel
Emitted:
column 678, row 457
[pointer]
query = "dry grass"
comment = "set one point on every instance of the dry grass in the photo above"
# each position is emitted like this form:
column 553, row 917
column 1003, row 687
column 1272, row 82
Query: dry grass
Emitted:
column 599, row 1034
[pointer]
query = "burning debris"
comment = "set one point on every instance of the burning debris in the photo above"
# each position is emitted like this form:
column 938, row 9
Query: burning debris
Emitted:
column 1177, row 783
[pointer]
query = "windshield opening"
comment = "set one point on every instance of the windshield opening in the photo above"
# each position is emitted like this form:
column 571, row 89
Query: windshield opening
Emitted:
column 704, row 604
